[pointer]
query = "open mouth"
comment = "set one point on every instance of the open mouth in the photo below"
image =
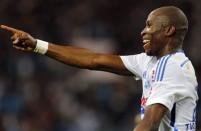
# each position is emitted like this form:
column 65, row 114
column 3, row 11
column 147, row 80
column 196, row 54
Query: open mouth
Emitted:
column 146, row 44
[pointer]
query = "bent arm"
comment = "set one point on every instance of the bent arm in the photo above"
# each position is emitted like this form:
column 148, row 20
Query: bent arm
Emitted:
column 86, row 59
column 152, row 118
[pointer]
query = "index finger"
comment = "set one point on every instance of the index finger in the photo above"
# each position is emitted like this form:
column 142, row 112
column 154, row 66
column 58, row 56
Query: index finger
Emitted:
column 10, row 29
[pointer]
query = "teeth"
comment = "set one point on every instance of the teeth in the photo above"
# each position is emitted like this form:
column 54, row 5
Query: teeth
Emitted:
column 146, row 41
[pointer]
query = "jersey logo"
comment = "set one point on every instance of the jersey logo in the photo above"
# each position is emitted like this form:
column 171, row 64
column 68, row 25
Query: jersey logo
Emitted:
column 190, row 126
column 146, row 83
column 143, row 101
column 153, row 75
column 142, row 109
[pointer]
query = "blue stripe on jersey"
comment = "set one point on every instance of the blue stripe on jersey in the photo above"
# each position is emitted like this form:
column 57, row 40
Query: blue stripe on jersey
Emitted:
column 142, row 110
column 164, row 68
column 175, row 129
column 196, row 88
column 159, row 68
column 183, row 63
column 173, row 115
column 194, row 114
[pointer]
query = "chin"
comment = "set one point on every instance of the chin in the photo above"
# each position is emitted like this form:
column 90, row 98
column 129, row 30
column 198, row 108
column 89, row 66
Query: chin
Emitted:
column 149, row 53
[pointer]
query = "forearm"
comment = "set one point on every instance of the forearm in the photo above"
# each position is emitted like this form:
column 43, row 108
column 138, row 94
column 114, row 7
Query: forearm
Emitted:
column 86, row 59
column 146, row 126
column 73, row 56
column 152, row 118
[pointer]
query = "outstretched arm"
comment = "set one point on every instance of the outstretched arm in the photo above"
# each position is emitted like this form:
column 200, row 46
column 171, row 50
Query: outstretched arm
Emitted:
column 73, row 56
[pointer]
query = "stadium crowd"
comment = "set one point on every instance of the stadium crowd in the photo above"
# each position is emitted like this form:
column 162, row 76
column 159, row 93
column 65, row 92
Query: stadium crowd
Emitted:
column 40, row 94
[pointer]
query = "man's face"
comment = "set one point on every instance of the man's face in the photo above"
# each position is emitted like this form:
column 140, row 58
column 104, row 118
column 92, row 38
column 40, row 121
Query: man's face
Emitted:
column 153, row 34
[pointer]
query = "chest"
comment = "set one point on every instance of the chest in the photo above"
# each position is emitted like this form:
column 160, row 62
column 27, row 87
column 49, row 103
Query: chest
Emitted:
column 149, row 76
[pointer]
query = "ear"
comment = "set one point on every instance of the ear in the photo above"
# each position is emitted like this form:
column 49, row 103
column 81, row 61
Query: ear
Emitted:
column 170, row 30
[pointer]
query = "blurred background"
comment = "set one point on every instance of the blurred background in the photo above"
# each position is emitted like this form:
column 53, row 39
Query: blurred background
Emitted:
column 41, row 94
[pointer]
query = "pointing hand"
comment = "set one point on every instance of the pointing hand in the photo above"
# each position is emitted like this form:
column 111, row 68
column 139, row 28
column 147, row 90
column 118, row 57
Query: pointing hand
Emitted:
column 21, row 40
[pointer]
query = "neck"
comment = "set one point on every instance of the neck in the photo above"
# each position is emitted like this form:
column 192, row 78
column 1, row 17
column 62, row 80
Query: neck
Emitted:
column 169, row 50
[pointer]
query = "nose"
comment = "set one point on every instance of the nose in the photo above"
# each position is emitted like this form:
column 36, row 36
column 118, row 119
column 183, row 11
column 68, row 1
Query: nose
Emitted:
column 143, row 32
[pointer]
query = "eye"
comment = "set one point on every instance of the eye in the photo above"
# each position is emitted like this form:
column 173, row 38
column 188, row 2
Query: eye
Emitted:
column 148, row 24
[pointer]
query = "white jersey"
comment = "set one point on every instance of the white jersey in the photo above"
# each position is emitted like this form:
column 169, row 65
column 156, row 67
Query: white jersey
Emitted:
column 170, row 81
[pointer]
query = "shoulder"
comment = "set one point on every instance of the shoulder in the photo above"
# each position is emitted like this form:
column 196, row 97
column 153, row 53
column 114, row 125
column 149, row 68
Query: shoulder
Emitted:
column 168, row 66
column 138, row 60
column 137, row 57
column 136, row 63
column 176, row 60
column 177, row 66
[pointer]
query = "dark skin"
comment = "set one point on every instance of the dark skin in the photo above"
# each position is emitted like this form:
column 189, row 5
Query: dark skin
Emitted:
column 158, row 40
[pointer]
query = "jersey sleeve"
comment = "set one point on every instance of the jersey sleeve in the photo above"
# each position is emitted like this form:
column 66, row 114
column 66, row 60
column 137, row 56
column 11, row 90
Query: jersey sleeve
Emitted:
column 172, row 87
column 134, row 63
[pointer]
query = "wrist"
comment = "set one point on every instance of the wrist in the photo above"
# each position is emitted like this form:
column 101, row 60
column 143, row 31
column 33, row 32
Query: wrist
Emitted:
column 41, row 47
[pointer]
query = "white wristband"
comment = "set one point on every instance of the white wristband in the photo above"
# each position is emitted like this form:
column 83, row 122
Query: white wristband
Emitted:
column 41, row 47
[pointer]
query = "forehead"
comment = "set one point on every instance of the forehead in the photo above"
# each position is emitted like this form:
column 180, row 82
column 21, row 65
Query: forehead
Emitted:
column 157, row 16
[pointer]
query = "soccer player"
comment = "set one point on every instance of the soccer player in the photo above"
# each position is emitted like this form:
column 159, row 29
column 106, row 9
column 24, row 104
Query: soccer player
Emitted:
column 169, row 83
